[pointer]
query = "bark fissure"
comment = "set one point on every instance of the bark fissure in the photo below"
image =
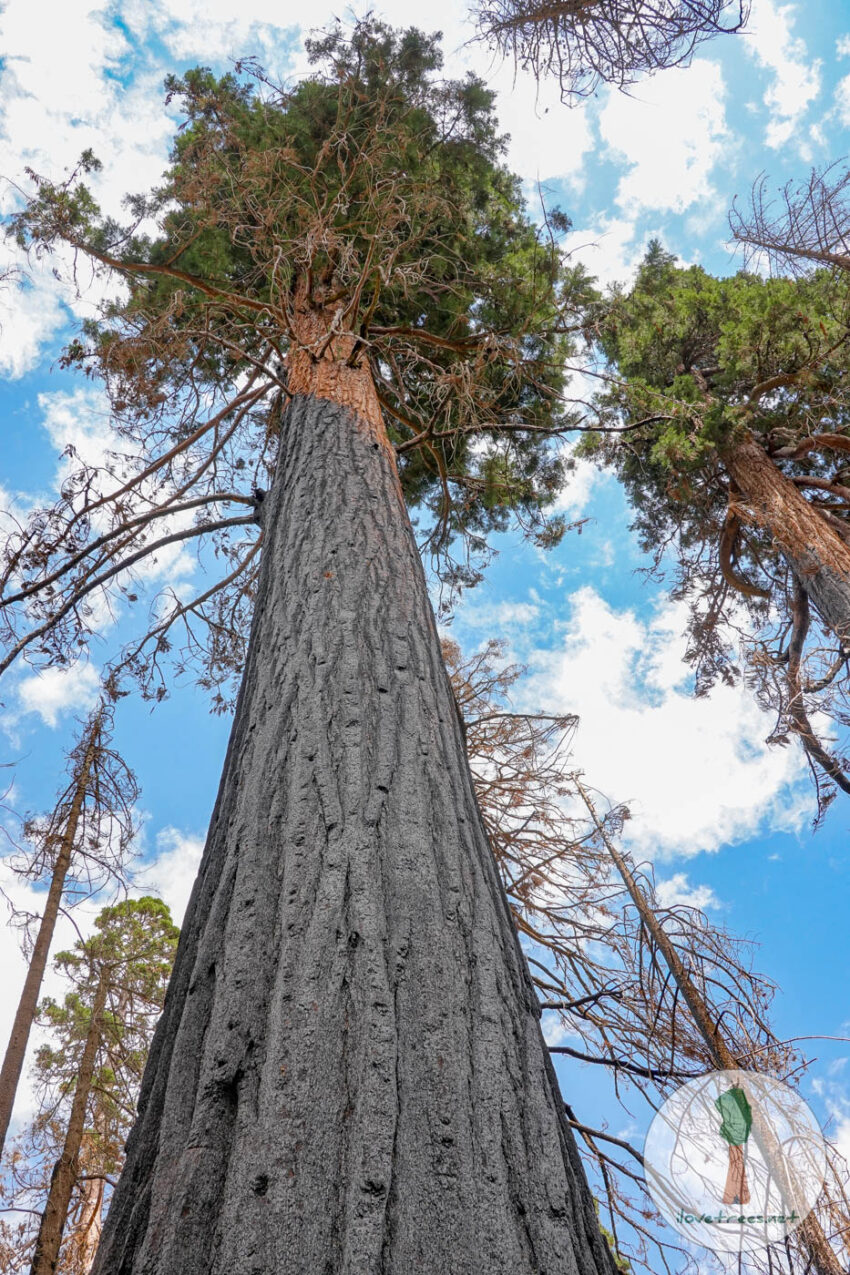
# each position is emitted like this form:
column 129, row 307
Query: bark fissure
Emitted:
column 369, row 991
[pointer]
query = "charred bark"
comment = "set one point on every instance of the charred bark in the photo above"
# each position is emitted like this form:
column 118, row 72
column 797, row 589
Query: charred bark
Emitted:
column 349, row 1075
column 818, row 556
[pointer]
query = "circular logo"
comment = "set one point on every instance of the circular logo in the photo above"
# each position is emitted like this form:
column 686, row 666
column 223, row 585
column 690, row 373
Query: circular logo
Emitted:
column 735, row 1161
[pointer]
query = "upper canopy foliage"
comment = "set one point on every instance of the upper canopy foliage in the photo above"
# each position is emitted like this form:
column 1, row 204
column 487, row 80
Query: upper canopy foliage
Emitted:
column 701, row 361
column 374, row 193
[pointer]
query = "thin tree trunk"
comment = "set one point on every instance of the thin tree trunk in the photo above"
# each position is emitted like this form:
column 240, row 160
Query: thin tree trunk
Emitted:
column 13, row 1061
column 87, row 1226
column 823, row 1257
column 55, row 1215
column 818, row 556
column 87, row 1222
column 349, row 1076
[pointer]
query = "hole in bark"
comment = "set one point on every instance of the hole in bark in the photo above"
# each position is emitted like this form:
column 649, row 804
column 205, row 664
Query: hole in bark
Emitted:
column 260, row 1184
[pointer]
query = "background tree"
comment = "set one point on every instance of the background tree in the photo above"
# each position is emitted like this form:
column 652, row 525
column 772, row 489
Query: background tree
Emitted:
column 81, row 846
column 654, row 994
column 586, row 43
column 88, row 1076
column 349, row 1070
column 731, row 395
column 806, row 226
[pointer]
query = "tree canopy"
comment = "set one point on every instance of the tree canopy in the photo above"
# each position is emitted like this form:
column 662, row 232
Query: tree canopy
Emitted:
column 368, row 206
column 698, row 364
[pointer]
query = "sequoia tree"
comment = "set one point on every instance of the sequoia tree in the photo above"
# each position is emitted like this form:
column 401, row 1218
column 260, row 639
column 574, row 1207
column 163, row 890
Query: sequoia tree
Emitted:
column 349, row 1073
column 733, row 400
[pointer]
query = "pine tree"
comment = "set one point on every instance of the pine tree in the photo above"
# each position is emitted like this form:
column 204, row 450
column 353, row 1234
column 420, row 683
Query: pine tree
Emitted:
column 82, row 845
column 100, row 1039
column 61, row 1169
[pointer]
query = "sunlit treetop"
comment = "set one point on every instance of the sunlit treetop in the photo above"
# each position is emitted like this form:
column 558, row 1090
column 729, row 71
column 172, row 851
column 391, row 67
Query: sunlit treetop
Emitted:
column 367, row 207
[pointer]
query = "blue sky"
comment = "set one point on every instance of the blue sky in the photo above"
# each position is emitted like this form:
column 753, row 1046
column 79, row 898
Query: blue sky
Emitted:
column 726, row 819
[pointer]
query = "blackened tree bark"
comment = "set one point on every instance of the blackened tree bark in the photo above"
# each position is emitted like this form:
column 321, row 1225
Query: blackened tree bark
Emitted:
column 349, row 1076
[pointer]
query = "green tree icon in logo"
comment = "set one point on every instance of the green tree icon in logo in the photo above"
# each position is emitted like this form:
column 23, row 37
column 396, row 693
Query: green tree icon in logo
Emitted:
column 735, row 1129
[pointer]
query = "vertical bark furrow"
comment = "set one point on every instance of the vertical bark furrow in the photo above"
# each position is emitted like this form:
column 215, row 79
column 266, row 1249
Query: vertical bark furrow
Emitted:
column 361, row 1088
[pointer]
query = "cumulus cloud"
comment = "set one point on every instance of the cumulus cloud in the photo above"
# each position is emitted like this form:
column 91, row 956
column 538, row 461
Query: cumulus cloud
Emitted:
column 678, row 890
column 842, row 100
column 53, row 692
column 171, row 874
column 695, row 772
column 796, row 78
column 31, row 313
column 610, row 249
column 669, row 135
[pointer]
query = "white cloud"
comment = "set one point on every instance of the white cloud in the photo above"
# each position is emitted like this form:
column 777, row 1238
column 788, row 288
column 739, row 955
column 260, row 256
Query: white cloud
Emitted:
column 500, row 615
column 583, row 481
column 796, row 79
column 31, row 313
column 842, row 100
column 609, row 249
column 842, row 46
column 171, row 874
column 678, row 890
column 695, row 772
column 79, row 419
column 670, row 135
column 55, row 691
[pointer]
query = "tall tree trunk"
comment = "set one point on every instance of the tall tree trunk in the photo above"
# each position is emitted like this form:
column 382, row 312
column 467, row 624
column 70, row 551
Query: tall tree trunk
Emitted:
column 13, row 1061
column 821, row 1254
column 55, row 1215
column 818, row 556
column 349, row 1075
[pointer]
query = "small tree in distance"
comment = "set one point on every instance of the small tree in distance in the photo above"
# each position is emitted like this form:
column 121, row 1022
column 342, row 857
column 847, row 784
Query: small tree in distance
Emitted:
column 84, row 844
column 88, row 1076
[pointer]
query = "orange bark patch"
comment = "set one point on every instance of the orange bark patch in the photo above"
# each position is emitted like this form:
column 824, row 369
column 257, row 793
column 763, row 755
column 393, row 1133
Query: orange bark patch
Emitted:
column 324, row 362
column 769, row 499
